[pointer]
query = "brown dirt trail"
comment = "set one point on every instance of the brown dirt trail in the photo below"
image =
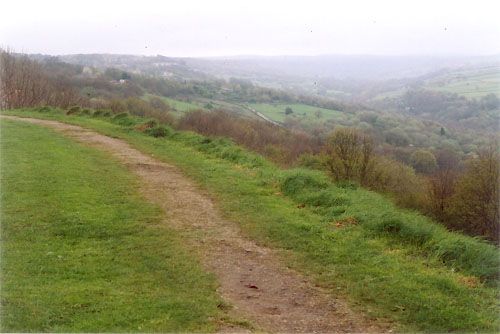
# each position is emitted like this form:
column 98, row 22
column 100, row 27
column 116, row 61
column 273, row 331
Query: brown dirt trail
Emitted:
column 251, row 277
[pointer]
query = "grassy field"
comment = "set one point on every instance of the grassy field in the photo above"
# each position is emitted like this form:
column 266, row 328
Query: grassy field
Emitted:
column 179, row 107
column 471, row 83
column 81, row 251
column 305, row 113
column 393, row 264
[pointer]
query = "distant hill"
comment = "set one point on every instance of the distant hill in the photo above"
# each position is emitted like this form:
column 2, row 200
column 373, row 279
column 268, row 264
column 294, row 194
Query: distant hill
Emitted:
column 358, row 67
column 354, row 67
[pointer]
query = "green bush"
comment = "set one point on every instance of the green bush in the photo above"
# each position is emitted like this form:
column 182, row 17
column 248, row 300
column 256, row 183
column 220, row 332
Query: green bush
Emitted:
column 73, row 110
column 312, row 161
column 123, row 119
column 98, row 113
column 158, row 131
column 101, row 113
column 44, row 109
column 150, row 124
column 121, row 115
column 86, row 112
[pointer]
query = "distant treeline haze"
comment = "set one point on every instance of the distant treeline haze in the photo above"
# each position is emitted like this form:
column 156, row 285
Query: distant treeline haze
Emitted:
column 459, row 190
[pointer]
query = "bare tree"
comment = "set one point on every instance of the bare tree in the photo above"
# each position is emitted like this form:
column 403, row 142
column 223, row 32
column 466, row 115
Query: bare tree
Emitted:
column 475, row 204
column 350, row 154
column 23, row 83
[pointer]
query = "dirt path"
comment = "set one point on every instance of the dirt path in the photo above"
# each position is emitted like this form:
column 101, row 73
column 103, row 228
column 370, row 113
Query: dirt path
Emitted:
column 251, row 277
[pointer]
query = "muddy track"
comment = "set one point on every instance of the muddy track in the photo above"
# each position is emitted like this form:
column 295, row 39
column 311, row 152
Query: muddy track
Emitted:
column 251, row 278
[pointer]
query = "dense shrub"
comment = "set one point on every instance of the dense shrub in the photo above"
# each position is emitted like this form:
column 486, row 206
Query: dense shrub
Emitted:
column 312, row 161
column 397, row 137
column 146, row 125
column 278, row 144
column 121, row 116
column 474, row 207
column 158, row 131
column 123, row 119
column 398, row 180
column 101, row 113
column 24, row 83
column 349, row 155
column 423, row 161
column 44, row 109
column 86, row 112
column 73, row 110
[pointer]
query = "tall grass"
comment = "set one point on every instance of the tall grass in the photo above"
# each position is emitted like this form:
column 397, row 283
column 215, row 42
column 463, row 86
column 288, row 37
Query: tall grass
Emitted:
column 470, row 255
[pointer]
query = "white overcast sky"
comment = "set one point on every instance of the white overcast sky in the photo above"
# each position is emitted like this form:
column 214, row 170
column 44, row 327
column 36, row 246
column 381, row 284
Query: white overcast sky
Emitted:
column 256, row 27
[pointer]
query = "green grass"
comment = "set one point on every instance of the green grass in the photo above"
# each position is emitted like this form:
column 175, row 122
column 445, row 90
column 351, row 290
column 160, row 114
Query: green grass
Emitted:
column 390, row 263
column 471, row 83
column 179, row 107
column 390, row 94
column 303, row 112
column 82, row 251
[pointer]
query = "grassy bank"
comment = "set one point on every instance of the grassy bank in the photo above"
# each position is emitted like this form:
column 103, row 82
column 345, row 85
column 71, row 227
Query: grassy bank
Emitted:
column 394, row 264
column 81, row 251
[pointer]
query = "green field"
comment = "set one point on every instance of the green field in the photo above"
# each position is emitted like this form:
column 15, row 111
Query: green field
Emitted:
column 83, row 252
column 392, row 264
column 303, row 112
column 390, row 94
column 179, row 107
column 471, row 84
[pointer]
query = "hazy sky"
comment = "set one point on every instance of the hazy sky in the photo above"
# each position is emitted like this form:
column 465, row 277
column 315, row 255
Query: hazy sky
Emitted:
column 211, row 27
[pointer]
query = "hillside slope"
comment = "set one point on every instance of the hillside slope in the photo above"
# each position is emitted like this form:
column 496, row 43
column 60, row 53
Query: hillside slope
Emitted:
column 391, row 263
column 285, row 303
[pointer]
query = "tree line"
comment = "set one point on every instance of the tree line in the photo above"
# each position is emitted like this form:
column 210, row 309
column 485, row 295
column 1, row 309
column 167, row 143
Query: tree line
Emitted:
column 24, row 83
column 464, row 199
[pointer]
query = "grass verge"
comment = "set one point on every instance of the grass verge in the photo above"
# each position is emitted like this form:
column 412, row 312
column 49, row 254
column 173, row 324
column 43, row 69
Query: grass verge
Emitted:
column 82, row 251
